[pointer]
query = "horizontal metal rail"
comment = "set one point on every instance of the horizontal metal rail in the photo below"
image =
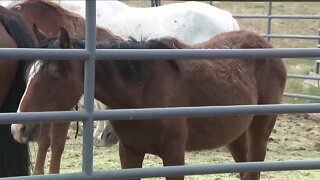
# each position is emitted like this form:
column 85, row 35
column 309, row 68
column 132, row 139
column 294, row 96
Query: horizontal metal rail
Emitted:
column 150, row 54
column 206, row 53
column 257, row 16
column 299, row 76
column 36, row 53
column 301, row 96
column 309, row 37
column 57, row 54
column 184, row 170
column 156, row 113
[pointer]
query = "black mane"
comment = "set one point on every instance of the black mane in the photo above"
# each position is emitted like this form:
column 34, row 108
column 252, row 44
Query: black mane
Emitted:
column 130, row 70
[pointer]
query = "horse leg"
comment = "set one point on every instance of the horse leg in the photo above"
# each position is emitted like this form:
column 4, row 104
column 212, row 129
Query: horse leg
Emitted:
column 173, row 156
column 238, row 150
column 130, row 158
column 257, row 136
column 43, row 146
column 59, row 133
column 172, row 153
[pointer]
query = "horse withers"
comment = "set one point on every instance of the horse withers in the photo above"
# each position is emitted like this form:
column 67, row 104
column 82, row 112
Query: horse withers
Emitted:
column 170, row 83
column 14, row 33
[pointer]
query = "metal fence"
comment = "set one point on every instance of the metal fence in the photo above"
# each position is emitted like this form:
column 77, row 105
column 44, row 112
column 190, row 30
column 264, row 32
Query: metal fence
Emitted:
column 90, row 53
column 270, row 35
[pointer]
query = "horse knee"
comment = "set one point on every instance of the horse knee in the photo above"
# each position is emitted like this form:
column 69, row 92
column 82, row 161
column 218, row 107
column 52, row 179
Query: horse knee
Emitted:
column 44, row 143
column 58, row 146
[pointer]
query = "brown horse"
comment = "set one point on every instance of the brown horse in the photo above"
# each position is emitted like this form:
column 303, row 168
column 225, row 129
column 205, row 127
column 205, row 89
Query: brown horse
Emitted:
column 14, row 33
column 49, row 17
column 170, row 83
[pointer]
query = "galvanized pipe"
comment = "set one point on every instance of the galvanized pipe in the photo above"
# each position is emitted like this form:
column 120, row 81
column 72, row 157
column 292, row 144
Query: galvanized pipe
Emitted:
column 254, row 16
column 308, row 37
column 299, row 76
column 156, row 113
column 269, row 20
column 89, row 83
column 293, row 95
column 183, row 170
column 158, row 54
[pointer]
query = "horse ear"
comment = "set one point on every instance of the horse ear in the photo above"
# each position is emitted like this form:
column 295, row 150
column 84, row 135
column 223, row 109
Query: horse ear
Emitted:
column 64, row 38
column 40, row 35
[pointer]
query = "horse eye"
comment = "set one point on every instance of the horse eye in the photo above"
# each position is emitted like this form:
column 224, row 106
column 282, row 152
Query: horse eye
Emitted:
column 55, row 76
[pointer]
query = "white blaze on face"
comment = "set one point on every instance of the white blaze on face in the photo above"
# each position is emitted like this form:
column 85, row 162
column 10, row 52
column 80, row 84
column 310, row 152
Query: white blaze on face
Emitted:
column 33, row 71
column 16, row 128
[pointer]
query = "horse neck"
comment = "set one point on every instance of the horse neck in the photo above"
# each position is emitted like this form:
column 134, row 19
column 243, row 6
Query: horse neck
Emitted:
column 112, row 89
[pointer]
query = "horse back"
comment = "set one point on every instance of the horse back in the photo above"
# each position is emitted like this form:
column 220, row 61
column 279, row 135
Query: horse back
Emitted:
column 268, row 72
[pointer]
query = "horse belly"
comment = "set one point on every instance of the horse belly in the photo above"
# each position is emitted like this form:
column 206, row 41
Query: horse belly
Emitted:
column 211, row 133
column 142, row 135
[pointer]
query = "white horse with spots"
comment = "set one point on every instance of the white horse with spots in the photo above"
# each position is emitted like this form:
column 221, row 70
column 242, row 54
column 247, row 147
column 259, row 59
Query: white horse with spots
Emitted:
column 192, row 22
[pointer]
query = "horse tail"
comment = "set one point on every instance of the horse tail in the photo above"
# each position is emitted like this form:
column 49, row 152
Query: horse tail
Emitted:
column 15, row 157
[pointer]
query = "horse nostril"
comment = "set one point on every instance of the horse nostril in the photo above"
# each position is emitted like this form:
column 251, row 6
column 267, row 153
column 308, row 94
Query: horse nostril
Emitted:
column 23, row 128
column 108, row 136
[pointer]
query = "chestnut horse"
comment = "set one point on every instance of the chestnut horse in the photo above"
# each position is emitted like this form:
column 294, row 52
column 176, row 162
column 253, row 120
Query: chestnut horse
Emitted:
column 169, row 83
column 194, row 22
column 52, row 134
column 14, row 33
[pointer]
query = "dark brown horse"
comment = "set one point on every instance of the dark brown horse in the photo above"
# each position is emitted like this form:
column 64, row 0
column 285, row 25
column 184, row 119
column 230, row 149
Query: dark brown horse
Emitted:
column 49, row 17
column 14, row 33
column 170, row 83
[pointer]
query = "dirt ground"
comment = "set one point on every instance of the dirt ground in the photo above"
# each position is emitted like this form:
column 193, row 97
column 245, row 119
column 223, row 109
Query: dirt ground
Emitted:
column 295, row 137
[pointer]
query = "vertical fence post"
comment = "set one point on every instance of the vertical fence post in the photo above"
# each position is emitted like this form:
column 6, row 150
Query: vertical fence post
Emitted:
column 210, row 2
column 317, row 66
column 318, row 60
column 269, row 21
column 155, row 3
column 89, row 82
